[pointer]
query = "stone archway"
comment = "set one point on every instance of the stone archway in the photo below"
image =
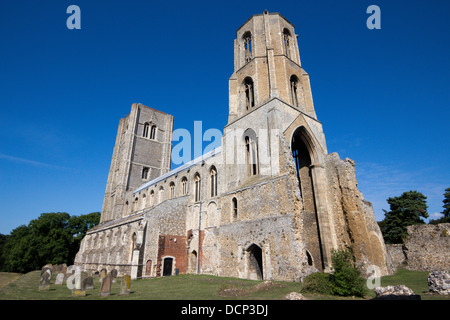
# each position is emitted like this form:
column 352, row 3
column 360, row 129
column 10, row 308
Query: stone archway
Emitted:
column 255, row 268
column 303, row 155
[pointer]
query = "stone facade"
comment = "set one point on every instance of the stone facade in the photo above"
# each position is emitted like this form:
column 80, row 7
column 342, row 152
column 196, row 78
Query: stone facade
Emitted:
column 426, row 248
column 270, row 203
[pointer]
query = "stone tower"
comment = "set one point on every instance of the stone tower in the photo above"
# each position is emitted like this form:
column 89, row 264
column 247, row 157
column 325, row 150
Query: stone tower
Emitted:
column 141, row 153
column 273, row 133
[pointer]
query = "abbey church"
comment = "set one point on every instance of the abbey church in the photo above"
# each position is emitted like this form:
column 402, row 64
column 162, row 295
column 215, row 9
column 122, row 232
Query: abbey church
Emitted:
column 271, row 203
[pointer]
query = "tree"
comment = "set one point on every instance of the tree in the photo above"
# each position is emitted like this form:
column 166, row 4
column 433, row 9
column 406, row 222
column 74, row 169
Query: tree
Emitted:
column 52, row 238
column 346, row 279
column 405, row 210
column 446, row 212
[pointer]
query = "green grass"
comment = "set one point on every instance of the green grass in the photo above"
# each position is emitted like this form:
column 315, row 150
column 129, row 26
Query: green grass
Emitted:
column 193, row 287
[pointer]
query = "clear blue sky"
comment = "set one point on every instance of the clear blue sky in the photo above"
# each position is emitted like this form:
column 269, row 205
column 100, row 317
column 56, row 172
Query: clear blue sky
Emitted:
column 382, row 95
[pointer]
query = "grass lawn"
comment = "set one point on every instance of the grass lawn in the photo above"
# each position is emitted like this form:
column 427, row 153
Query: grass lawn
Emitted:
column 193, row 287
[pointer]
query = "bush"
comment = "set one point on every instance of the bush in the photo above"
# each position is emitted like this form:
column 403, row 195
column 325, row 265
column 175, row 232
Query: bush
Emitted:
column 346, row 278
column 317, row 282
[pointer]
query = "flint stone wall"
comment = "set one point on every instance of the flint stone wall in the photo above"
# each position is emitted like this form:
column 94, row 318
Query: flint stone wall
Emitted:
column 426, row 248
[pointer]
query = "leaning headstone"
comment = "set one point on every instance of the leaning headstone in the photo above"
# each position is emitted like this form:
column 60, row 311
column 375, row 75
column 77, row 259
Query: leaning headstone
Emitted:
column 103, row 273
column 59, row 278
column 89, row 283
column 105, row 288
column 114, row 275
column 44, row 281
column 46, row 268
column 125, row 284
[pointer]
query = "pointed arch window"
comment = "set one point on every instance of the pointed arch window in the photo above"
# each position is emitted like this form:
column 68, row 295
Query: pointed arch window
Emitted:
column 234, row 208
column 249, row 93
column 172, row 190
column 152, row 198
column 184, row 185
column 161, row 195
column 251, row 152
column 294, row 90
column 197, row 181
column 247, row 38
column 213, row 182
column 287, row 42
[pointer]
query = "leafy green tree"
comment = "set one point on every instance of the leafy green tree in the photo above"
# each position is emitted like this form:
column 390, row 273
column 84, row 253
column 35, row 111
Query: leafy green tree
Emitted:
column 446, row 212
column 346, row 279
column 3, row 238
column 52, row 238
column 405, row 210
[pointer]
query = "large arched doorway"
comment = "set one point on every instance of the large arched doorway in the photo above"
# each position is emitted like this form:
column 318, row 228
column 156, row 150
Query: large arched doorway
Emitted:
column 302, row 152
column 255, row 265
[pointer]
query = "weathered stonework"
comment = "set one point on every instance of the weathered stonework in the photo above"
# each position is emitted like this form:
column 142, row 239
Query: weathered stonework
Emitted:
column 270, row 203
column 426, row 248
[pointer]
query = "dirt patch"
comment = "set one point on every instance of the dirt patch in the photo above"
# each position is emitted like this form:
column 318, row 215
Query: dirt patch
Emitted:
column 267, row 285
column 231, row 291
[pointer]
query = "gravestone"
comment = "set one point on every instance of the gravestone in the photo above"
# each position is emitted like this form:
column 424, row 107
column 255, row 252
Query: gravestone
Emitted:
column 44, row 281
column 114, row 275
column 45, row 269
column 125, row 284
column 79, row 288
column 105, row 289
column 89, row 283
column 59, row 279
column 103, row 273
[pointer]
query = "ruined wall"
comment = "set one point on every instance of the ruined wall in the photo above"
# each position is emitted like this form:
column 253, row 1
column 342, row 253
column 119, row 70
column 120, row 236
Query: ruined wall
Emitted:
column 353, row 218
column 427, row 247
column 111, row 245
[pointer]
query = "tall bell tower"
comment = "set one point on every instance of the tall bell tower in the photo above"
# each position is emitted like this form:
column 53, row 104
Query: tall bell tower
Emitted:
column 267, row 65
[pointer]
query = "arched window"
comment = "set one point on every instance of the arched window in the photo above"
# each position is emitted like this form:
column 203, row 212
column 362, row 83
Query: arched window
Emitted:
column 184, row 186
column 149, row 131
column 172, row 190
column 161, row 194
column 294, row 90
column 247, row 38
column 234, row 208
column 197, row 181
column 152, row 198
column 249, row 89
column 144, row 201
column 146, row 131
column 251, row 152
column 213, row 181
column 287, row 42
column 153, row 132
column 135, row 204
